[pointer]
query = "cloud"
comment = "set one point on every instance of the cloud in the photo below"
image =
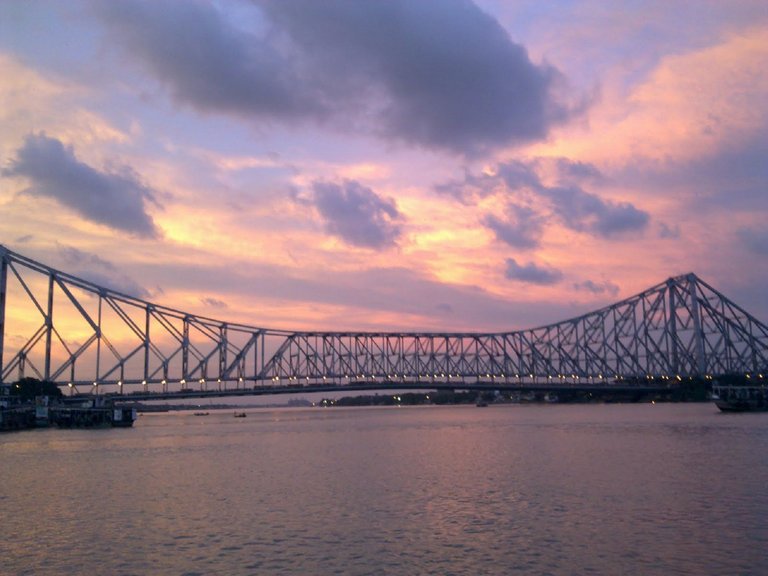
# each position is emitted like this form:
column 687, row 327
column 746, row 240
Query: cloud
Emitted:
column 522, row 227
column 578, row 170
column 604, row 287
column 441, row 75
column 93, row 268
column 114, row 199
column 378, row 298
column 444, row 308
column 517, row 174
column 79, row 258
column 581, row 210
column 668, row 232
column 532, row 273
column 755, row 239
column 577, row 208
column 466, row 190
column 356, row 214
column 213, row 303
column 206, row 62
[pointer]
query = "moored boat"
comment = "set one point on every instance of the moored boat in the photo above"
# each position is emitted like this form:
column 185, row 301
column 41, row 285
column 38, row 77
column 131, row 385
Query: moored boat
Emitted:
column 740, row 398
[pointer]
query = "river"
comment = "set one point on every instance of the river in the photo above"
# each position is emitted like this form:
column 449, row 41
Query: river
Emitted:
column 510, row 489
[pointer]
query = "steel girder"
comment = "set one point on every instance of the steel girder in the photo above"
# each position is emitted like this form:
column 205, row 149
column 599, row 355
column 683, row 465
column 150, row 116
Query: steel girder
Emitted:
column 679, row 328
column 117, row 339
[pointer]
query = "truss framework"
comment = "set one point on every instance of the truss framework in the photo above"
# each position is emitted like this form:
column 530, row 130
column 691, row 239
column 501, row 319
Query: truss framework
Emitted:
column 677, row 329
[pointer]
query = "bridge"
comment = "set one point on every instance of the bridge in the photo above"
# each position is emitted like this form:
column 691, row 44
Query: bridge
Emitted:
column 91, row 339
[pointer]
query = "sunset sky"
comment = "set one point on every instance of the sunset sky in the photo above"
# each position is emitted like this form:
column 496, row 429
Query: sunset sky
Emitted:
column 399, row 165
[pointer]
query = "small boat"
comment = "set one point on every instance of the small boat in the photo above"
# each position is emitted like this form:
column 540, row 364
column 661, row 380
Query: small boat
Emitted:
column 240, row 414
column 201, row 413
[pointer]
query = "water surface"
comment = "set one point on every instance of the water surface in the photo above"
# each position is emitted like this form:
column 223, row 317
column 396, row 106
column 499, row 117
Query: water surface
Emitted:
column 562, row 489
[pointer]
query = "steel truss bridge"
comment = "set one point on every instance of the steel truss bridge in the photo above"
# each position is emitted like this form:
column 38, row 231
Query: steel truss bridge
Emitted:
column 58, row 327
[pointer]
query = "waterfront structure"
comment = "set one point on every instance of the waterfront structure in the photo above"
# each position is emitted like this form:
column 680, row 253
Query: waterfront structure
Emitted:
column 680, row 329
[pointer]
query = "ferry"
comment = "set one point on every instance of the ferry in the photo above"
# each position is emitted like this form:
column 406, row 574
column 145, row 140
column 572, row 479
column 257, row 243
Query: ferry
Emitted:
column 740, row 398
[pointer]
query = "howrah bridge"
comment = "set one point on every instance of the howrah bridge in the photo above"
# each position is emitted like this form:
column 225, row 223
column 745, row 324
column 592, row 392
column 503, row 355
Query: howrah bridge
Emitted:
column 91, row 339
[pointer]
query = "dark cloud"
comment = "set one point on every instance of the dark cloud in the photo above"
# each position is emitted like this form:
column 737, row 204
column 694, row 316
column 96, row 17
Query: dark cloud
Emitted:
column 206, row 62
column 604, row 287
column 576, row 208
column 114, row 199
column 755, row 239
column 356, row 214
column 581, row 210
column 532, row 273
column 522, row 227
column 442, row 75
column 517, row 174
column 95, row 269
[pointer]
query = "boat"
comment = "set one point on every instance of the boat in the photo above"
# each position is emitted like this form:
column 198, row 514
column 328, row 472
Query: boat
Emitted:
column 740, row 398
column 201, row 413
column 240, row 414
column 123, row 417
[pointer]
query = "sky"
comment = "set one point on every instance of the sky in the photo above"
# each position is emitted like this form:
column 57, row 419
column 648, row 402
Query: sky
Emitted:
column 401, row 165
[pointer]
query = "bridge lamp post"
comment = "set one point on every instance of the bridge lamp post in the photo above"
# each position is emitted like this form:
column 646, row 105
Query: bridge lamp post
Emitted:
column 96, row 388
column 71, row 391
column 120, row 386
